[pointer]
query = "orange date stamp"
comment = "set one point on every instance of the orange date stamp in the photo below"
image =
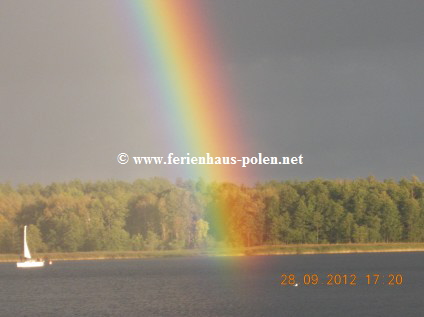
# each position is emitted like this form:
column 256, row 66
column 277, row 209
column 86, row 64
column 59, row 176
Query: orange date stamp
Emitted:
column 392, row 279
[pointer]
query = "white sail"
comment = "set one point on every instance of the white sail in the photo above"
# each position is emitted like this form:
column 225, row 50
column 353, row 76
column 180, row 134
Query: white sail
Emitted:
column 28, row 262
column 27, row 254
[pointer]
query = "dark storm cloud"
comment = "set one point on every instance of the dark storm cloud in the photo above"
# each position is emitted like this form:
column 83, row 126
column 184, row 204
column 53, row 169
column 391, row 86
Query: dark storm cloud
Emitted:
column 338, row 81
column 273, row 28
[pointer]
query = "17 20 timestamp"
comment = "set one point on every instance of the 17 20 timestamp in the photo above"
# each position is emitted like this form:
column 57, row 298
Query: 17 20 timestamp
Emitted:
column 311, row 279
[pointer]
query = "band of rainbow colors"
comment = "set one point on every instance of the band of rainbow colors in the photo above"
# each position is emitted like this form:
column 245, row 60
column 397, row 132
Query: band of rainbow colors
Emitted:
column 178, row 52
column 188, row 87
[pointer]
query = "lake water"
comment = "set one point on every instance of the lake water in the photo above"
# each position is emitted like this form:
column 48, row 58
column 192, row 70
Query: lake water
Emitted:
column 218, row 286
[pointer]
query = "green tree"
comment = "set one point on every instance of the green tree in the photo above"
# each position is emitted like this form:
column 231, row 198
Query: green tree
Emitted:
column 391, row 228
column 360, row 234
column 300, row 226
column 152, row 241
column 347, row 227
column 333, row 217
column 202, row 228
column 412, row 220
column 35, row 241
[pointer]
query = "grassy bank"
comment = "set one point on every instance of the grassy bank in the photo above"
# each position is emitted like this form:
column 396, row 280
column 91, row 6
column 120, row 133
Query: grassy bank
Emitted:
column 335, row 248
column 260, row 250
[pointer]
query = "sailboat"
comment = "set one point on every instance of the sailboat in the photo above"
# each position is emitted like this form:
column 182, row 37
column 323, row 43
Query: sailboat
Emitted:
column 28, row 262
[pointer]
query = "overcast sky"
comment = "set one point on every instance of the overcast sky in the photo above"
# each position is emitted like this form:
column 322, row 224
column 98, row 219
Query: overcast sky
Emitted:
column 339, row 81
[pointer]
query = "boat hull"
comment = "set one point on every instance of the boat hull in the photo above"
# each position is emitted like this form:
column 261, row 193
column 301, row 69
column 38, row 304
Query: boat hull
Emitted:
column 28, row 264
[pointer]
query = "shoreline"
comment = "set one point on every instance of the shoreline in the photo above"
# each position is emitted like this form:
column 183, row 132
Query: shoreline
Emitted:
column 286, row 249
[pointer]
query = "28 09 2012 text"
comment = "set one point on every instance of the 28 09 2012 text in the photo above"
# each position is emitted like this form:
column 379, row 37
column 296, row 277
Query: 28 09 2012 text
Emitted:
column 336, row 279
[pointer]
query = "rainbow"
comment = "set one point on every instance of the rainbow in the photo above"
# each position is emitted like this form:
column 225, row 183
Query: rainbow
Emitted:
column 187, row 86
column 178, row 51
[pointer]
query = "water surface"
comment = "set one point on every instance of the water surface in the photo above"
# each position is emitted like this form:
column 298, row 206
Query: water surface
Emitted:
column 215, row 286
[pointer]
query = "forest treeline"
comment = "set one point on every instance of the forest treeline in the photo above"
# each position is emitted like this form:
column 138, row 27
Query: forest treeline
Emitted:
column 157, row 214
